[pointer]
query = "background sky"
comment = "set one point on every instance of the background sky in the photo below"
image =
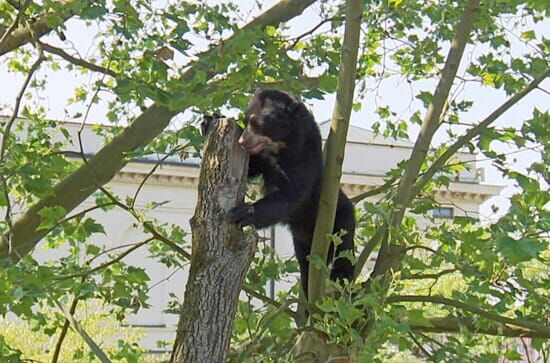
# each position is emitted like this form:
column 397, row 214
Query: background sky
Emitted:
column 395, row 92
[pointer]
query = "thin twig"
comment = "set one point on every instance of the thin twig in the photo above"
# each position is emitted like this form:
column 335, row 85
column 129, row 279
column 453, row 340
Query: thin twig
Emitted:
column 297, row 39
column 77, row 61
column 83, row 334
column 420, row 346
column 5, row 140
column 387, row 185
column 106, row 264
column 64, row 330
column 477, row 130
column 86, row 114
column 79, row 214
column 153, row 169
column 526, row 348
column 526, row 324
column 429, row 276
column 371, row 244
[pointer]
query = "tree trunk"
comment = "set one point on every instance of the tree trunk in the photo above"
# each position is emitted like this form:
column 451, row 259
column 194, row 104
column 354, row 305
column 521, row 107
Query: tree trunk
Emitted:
column 221, row 253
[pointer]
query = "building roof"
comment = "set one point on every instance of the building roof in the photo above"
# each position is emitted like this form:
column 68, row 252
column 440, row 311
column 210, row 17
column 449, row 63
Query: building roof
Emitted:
column 362, row 135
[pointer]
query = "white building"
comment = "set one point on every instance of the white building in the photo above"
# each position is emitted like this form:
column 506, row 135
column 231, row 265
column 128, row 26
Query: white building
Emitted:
column 367, row 160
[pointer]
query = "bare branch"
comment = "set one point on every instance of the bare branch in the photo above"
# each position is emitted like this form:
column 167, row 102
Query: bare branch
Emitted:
column 433, row 115
column 451, row 324
column 305, row 82
column 77, row 61
column 477, row 130
column 153, row 169
column 420, row 346
column 435, row 276
column 379, row 235
column 297, row 39
column 335, row 148
column 79, row 214
column 64, row 330
column 83, row 334
column 381, row 189
column 106, row 264
column 530, row 325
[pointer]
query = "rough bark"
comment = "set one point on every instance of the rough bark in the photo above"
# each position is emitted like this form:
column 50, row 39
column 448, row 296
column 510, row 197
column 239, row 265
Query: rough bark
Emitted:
column 82, row 183
column 335, row 148
column 221, row 253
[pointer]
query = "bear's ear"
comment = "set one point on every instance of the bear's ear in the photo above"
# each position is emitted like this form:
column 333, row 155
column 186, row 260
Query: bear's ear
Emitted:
column 258, row 92
column 294, row 106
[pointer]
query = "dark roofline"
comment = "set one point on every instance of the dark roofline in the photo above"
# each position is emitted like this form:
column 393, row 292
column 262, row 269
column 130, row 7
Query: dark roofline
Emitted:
column 138, row 160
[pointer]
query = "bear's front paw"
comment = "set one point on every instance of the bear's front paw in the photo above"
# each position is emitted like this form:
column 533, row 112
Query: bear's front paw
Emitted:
column 242, row 215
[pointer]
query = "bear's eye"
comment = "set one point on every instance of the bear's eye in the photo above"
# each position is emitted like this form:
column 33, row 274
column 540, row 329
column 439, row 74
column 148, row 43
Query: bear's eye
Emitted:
column 253, row 121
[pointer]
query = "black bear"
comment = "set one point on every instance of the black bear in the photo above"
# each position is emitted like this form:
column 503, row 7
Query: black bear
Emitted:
column 284, row 144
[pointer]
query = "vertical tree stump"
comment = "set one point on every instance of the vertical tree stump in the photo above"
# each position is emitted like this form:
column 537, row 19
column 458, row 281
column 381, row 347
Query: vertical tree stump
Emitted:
column 221, row 253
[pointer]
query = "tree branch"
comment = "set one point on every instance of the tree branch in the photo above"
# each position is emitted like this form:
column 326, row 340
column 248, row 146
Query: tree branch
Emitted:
column 101, row 168
column 77, row 61
column 5, row 140
column 40, row 27
column 451, row 324
column 370, row 193
column 477, row 130
column 309, row 32
column 305, row 82
column 379, row 235
column 7, row 32
column 530, row 325
column 106, row 264
column 435, row 276
column 83, row 334
column 335, row 148
column 64, row 330
column 429, row 126
column 433, row 115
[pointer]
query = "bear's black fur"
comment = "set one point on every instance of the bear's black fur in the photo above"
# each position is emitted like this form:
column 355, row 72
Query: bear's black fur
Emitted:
column 284, row 144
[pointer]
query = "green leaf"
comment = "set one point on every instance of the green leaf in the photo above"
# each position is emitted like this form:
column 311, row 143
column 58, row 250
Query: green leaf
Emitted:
column 348, row 312
column 93, row 11
column 270, row 30
column 528, row 35
column 50, row 216
column 519, row 251
column 416, row 317
column 328, row 82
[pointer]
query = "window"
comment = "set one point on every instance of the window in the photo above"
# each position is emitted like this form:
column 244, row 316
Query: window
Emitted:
column 443, row 212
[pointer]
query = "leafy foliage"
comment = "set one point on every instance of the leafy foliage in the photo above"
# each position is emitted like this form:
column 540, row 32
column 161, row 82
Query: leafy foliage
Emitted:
column 190, row 56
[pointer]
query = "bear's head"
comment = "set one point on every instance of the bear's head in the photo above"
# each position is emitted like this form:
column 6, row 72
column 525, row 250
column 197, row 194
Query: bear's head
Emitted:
column 271, row 121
